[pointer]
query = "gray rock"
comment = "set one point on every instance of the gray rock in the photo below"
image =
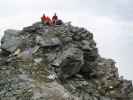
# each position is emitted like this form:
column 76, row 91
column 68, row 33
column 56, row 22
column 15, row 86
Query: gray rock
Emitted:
column 58, row 62
column 38, row 25
column 48, row 41
column 70, row 61
column 37, row 60
column 105, row 98
column 30, row 29
column 11, row 40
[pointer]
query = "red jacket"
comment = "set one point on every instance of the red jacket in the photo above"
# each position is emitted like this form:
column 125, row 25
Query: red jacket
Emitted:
column 47, row 18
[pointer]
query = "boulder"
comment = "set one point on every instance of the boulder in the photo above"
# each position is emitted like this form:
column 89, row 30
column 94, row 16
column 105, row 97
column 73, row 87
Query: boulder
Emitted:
column 11, row 40
column 70, row 62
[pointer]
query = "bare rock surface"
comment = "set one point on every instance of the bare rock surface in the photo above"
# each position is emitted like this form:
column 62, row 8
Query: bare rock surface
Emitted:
column 60, row 62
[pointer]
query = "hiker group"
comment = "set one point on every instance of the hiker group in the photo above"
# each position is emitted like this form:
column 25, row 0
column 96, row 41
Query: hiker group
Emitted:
column 48, row 21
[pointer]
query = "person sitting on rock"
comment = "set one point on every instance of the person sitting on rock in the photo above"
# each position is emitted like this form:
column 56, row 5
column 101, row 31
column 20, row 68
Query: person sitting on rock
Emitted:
column 48, row 21
column 54, row 19
column 43, row 19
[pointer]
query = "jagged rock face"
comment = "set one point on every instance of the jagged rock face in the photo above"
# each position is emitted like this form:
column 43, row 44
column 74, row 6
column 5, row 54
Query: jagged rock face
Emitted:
column 70, row 46
column 57, row 63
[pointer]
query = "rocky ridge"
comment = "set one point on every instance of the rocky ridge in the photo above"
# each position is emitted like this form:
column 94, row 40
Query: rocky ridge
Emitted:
column 58, row 62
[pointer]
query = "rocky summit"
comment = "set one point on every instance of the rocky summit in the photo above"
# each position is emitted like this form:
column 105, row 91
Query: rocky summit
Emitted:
column 59, row 62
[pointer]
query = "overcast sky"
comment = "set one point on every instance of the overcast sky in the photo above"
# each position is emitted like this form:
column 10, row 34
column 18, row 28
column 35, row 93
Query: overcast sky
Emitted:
column 111, row 21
